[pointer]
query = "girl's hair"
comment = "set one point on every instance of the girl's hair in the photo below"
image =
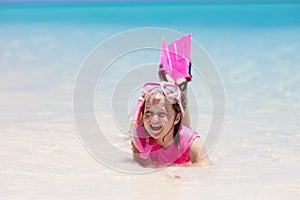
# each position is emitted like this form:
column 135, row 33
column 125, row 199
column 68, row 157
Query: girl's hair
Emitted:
column 177, row 110
column 176, row 135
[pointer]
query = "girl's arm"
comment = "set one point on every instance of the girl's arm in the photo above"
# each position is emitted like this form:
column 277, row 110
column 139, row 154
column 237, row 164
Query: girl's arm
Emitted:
column 198, row 153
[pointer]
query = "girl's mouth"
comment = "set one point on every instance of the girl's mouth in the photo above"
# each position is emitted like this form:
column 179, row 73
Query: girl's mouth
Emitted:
column 155, row 128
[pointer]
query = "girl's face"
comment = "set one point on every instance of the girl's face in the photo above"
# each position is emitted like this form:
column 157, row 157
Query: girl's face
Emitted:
column 159, row 116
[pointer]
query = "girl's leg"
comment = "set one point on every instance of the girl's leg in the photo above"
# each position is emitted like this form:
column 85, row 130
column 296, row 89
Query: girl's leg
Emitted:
column 182, row 83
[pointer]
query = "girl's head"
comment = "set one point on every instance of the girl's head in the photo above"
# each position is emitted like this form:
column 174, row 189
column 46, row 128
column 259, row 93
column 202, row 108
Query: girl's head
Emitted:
column 162, row 111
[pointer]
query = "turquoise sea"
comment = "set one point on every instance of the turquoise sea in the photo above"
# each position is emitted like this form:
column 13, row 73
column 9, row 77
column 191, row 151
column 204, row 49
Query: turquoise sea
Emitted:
column 255, row 47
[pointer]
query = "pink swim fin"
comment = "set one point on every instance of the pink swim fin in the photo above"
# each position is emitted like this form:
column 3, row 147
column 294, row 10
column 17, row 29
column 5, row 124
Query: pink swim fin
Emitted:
column 175, row 59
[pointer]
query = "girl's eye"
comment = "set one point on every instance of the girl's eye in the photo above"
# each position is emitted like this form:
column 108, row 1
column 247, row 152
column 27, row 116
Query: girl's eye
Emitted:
column 149, row 114
column 162, row 115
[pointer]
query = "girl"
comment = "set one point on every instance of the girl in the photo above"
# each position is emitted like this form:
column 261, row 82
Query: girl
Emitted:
column 159, row 136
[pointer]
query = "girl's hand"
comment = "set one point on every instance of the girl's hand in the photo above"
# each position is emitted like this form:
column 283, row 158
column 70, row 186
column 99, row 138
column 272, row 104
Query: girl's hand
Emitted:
column 198, row 153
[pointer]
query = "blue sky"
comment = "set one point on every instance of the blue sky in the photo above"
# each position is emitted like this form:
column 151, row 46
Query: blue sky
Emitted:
column 137, row 1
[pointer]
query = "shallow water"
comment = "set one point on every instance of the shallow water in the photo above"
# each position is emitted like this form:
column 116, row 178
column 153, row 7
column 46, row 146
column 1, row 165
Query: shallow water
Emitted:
column 257, row 156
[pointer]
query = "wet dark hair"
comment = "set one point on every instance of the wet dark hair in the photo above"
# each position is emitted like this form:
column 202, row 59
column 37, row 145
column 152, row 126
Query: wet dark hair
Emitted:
column 177, row 110
column 176, row 135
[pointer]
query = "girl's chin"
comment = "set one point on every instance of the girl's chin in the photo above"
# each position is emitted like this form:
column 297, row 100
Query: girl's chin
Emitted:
column 154, row 134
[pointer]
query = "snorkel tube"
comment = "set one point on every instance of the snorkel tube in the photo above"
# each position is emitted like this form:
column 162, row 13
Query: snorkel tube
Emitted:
column 135, row 123
column 138, row 110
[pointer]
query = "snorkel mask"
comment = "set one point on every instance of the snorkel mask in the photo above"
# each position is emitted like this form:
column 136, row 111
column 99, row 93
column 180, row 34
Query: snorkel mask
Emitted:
column 170, row 91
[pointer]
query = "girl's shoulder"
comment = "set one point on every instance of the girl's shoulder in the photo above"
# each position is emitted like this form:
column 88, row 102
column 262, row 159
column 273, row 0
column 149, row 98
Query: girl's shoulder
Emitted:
column 187, row 135
column 187, row 130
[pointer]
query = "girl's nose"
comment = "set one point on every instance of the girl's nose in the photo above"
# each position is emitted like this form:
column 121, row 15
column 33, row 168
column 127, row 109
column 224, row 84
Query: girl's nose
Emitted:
column 154, row 118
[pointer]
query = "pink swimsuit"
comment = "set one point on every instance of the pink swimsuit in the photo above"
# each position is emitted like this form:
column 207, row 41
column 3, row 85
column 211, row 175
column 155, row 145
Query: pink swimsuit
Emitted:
column 173, row 154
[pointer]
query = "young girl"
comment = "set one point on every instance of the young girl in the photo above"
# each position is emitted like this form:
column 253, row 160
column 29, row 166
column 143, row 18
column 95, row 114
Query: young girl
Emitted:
column 160, row 126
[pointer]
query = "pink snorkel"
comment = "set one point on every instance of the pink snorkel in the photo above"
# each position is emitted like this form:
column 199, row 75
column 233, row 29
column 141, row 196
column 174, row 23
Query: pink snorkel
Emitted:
column 138, row 111
column 176, row 58
column 144, row 150
column 135, row 123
